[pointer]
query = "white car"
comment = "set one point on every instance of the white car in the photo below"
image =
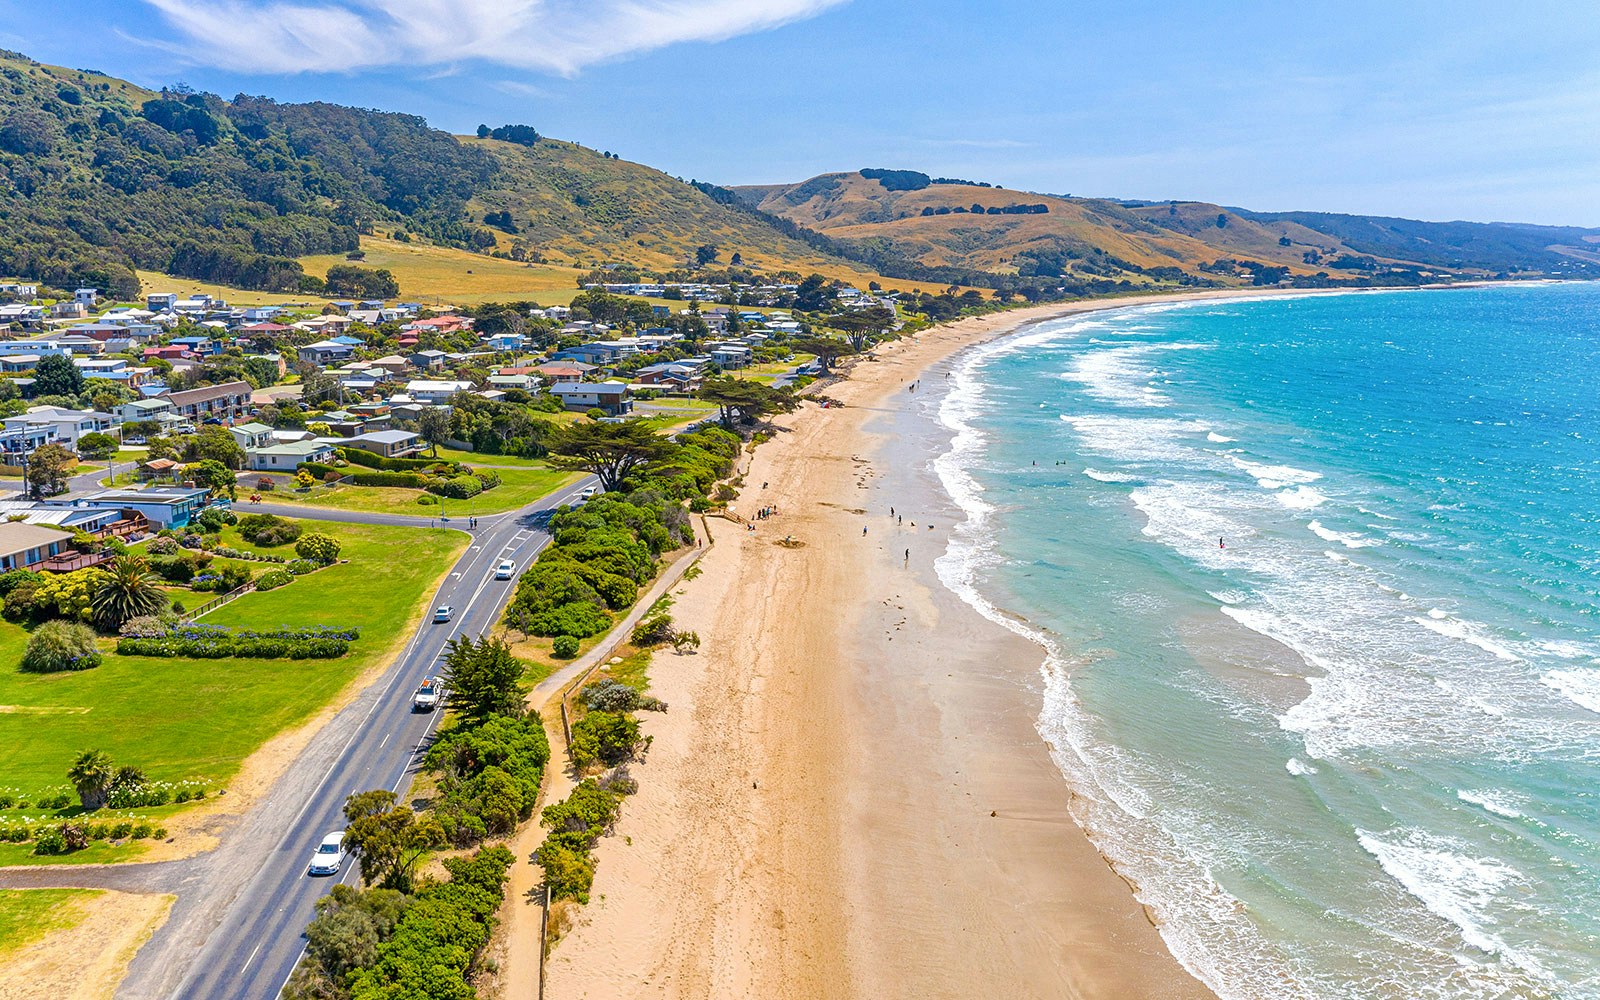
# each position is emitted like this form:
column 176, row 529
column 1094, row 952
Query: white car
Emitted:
column 429, row 693
column 506, row 570
column 444, row 613
column 589, row 491
column 330, row 855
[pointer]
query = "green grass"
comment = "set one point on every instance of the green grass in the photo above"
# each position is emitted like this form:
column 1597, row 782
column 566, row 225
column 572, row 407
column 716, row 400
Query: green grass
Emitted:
column 669, row 414
column 26, row 915
column 478, row 458
column 199, row 719
column 518, row 488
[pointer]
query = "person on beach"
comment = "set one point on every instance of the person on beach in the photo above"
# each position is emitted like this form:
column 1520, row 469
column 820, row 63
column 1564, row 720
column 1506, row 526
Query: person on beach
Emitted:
column 863, row 531
column 902, row 520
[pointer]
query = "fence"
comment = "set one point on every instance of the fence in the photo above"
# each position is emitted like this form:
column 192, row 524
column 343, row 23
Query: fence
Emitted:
column 217, row 602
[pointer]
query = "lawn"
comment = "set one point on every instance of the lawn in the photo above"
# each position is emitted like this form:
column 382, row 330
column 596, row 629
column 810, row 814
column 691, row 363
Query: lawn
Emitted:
column 26, row 915
column 518, row 488
column 199, row 719
column 665, row 415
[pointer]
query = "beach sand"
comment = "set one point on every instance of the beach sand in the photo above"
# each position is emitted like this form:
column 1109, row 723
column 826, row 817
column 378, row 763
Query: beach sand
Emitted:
column 848, row 796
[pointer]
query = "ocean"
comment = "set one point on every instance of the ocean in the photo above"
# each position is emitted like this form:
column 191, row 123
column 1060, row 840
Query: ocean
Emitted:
column 1318, row 579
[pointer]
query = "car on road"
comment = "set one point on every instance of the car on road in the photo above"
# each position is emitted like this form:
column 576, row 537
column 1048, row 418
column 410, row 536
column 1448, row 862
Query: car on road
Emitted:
column 329, row 856
column 506, row 570
column 588, row 491
column 429, row 693
column 443, row 613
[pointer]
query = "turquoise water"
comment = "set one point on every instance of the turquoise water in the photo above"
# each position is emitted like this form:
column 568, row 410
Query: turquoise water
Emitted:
column 1319, row 577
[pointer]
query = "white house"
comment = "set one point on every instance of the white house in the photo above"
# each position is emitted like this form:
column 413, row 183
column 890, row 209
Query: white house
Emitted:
column 70, row 425
column 434, row 393
column 287, row 456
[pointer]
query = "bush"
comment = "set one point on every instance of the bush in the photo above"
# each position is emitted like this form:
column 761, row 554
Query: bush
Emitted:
column 160, row 546
column 578, row 620
column 300, row 567
column 267, row 530
column 459, row 488
column 610, row 696
column 272, row 579
column 214, row 519
column 604, row 737
column 49, row 841
column 58, row 645
column 428, row 500
column 565, row 647
column 317, row 548
column 13, row 579
column 407, row 480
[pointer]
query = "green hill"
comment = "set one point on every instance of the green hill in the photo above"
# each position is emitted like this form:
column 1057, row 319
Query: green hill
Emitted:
column 99, row 178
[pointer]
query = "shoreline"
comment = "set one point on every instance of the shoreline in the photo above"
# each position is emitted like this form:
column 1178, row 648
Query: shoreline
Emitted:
column 803, row 830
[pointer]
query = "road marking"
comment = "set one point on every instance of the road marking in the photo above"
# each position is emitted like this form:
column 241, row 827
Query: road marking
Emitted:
column 252, row 958
column 385, row 740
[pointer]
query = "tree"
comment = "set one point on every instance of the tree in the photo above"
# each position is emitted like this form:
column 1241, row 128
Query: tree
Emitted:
column 91, row 774
column 128, row 589
column 48, row 468
column 826, row 349
column 214, row 476
column 389, row 838
column 433, row 424
column 481, row 677
column 864, row 326
column 56, row 375
column 317, row 548
column 321, row 387
column 704, row 255
column 609, row 451
column 216, row 444
column 747, row 399
column 97, row 446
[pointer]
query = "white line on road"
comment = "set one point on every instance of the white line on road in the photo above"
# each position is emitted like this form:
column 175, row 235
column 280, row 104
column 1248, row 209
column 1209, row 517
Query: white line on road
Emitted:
column 385, row 740
column 252, row 958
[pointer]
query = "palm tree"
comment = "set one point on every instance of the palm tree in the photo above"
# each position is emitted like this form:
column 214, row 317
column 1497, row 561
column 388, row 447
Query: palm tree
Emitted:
column 127, row 590
column 91, row 774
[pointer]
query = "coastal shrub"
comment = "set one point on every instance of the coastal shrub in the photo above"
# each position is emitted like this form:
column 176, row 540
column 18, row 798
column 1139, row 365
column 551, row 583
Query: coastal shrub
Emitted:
column 610, row 695
column 459, row 488
column 267, row 530
column 428, row 500
column 273, row 579
column 568, row 872
column 487, row 477
column 578, row 621
column 58, row 645
column 317, row 548
column 489, row 775
column 49, row 840
column 181, row 568
column 214, row 519
column 160, row 546
column 22, row 605
column 565, row 647
column 210, row 642
column 604, row 738
column 13, row 579
column 300, row 567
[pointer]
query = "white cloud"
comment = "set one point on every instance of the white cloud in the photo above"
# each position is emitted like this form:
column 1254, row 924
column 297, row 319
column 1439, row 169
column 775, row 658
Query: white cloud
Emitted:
column 555, row 36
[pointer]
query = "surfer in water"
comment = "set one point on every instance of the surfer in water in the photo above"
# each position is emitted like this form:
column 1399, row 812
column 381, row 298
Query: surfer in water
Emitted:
column 1220, row 544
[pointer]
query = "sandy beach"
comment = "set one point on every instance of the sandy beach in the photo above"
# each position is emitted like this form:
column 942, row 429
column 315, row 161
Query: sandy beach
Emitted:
column 849, row 797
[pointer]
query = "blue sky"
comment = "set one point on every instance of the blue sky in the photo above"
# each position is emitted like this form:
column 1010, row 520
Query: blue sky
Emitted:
column 1460, row 111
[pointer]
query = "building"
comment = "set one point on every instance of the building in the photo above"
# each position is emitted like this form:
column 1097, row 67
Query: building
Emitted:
column 163, row 506
column 389, row 444
column 224, row 403
column 612, row 397
column 251, row 435
column 69, row 425
column 27, row 546
column 431, row 361
column 561, row 371
column 324, row 352
column 435, row 393
column 287, row 456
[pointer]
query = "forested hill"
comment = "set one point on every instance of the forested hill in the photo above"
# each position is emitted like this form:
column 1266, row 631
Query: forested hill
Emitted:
column 99, row 177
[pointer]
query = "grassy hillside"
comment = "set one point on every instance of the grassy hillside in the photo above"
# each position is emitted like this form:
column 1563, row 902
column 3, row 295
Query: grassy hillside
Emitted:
column 956, row 225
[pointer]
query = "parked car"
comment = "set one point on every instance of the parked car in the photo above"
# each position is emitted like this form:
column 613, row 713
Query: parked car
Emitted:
column 429, row 693
column 329, row 856
column 444, row 613
column 506, row 570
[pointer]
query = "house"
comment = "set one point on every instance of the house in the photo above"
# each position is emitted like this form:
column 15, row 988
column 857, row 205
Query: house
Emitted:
column 284, row 435
column 224, row 403
column 435, row 393
column 20, row 440
column 163, row 506
column 563, row 371
column 371, row 317
column 157, row 469
column 287, row 456
column 23, row 315
column 166, row 352
column 70, row 425
column 18, row 362
column 505, row 341
column 324, row 351
column 27, row 546
column 438, row 324
column 612, row 397
column 68, row 310
column 428, row 360
column 731, row 355
column 87, row 296
column 145, row 409
column 261, row 314
column 195, row 344
column 99, row 521
column 394, row 364
column 526, row 383
column 389, row 444
column 599, row 352
column 251, row 435
column 263, row 329
column 677, row 376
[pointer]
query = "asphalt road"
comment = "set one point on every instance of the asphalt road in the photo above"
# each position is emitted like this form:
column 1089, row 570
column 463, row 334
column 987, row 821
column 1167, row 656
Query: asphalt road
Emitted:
column 245, row 947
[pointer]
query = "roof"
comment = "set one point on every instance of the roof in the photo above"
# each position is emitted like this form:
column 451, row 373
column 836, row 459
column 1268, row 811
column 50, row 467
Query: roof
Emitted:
column 385, row 437
column 152, row 494
column 425, row 386
column 589, row 388
column 253, row 427
column 150, row 404
column 161, row 464
column 16, row 536
column 207, row 393
column 294, row 448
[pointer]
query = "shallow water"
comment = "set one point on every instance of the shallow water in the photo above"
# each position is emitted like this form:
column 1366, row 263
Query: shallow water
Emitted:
column 1323, row 572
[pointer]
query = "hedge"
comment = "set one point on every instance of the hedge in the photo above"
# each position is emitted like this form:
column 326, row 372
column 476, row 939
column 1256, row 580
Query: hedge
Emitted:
column 410, row 480
column 373, row 460
column 213, row 642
